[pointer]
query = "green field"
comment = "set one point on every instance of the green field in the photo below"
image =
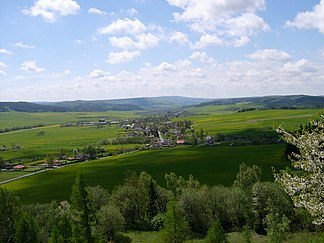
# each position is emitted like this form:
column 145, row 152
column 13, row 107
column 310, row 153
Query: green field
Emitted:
column 13, row 119
column 210, row 165
column 263, row 120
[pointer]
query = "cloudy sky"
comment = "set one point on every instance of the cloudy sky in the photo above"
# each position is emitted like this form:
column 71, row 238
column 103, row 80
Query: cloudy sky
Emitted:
column 53, row 50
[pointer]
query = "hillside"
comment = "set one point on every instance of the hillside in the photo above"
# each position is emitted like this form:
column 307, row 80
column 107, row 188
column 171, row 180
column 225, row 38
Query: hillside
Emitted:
column 131, row 104
column 272, row 102
column 167, row 103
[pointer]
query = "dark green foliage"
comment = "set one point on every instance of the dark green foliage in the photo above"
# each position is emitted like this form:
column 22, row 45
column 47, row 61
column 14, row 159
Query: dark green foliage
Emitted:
column 175, row 225
column 230, row 205
column 81, row 211
column 45, row 217
column 56, row 236
column 63, row 220
column 216, row 233
column 193, row 204
column 276, row 226
column 98, row 196
column 9, row 210
column 152, row 209
column 268, row 198
column 247, row 177
column 110, row 222
column 27, row 230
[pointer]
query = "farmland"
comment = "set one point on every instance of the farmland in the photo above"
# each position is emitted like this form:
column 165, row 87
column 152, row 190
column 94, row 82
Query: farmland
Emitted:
column 211, row 165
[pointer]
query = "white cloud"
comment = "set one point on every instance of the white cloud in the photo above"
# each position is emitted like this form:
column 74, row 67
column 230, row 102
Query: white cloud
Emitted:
column 299, row 67
column 143, row 41
column 20, row 77
column 269, row 55
column 310, row 19
column 2, row 65
column 122, row 57
column 231, row 21
column 124, row 26
column 207, row 40
column 30, row 66
column 98, row 73
column 201, row 56
column 22, row 45
column 96, row 11
column 51, row 9
column 5, row 51
column 179, row 37
column 131, row 11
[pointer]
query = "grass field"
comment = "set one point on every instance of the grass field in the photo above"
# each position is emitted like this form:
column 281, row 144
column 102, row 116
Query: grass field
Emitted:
column 13, row 119
column 210, row 165
column 263, row 120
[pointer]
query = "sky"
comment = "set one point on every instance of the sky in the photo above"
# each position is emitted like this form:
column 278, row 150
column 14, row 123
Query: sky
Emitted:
column 55, row 50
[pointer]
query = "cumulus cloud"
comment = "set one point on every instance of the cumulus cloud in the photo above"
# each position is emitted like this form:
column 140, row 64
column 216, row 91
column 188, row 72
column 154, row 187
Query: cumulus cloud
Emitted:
column 98, row 73
column 207, row 40
column 269, row 55
column 179, row 37
column 201, row 56
column 231, row 21
column 301, row 66
column 22, row 45
column 309, row 19
column 30, row 66
column 51, row 9
column 122, row 57
column 143, row 41
column 2, row 72
column 96, row 11
column 124, row 26
column 5, row 51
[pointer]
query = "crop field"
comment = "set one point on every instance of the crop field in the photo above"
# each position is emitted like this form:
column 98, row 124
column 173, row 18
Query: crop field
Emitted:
column 210, row 165
column 263, row 120
column 13, row 119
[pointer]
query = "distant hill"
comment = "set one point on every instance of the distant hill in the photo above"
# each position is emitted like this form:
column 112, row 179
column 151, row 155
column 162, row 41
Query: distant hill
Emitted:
column 145, row 103
column 272, row 102
column 164, row 103
column 29, row 107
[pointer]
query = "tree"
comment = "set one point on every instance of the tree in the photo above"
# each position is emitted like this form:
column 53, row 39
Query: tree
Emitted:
column 27, row 230
column 110, row 222
column 247, row 177
column 175, row 228
column 216, row 233
column 81, row 211
column 9, row 210
column 305, row 184
column 2, row 163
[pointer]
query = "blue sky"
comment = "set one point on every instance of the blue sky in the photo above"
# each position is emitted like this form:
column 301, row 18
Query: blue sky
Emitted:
column 54, row 50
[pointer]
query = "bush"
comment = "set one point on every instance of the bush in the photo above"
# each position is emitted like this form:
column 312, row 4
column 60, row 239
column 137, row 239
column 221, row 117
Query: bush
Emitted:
column 216, row 233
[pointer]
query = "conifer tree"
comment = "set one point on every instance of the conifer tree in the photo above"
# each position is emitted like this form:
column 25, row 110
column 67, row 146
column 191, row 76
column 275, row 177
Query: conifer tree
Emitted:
column 81, row 211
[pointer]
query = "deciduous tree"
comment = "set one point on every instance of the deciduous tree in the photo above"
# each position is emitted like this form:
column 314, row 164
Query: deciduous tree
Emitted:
column 305, row 184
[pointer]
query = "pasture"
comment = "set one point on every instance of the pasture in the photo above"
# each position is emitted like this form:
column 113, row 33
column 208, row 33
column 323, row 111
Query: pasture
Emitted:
column 262, row 120
column 210, row 165
column 14, row 119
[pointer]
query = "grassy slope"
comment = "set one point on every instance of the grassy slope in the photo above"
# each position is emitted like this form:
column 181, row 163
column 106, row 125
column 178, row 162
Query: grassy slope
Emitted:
column 265, row 120
column 210, row 165
column 12, row 119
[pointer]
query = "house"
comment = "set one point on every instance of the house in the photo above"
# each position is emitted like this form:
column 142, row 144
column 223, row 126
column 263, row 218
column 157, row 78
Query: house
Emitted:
column 182, row 142
column 19, row 167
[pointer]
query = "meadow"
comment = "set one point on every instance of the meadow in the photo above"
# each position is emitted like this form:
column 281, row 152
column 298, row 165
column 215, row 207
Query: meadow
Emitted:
column 210, row 165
